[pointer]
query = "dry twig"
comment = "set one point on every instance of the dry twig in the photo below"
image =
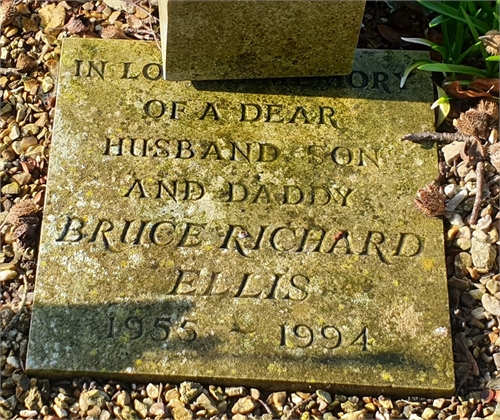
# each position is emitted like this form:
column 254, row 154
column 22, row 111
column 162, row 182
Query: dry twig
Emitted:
column 298, row 405
column 437, row 137
column 266, row 407
column 479, row 193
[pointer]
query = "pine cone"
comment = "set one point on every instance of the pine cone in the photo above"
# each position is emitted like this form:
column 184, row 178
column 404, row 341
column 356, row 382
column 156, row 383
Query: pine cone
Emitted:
column 113, row 32
column 430, row 200
column 490, row 108
column 472, row 123
column 7, row 12
column 492, row 42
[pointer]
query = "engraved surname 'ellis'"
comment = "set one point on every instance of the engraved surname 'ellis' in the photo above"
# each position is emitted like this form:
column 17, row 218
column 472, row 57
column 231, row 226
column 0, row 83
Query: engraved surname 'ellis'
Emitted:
column 196, row 282
column 246, row 241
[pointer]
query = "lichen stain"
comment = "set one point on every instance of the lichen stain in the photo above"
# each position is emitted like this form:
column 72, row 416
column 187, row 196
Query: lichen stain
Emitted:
column 428, row 264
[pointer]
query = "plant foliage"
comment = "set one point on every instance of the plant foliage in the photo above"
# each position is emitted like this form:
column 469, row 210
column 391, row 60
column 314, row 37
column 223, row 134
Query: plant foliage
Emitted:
column 462, row 23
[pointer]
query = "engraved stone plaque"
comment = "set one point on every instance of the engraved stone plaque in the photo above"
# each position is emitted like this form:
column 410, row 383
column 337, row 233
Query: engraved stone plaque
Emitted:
column 238, row 39
column 240, row 232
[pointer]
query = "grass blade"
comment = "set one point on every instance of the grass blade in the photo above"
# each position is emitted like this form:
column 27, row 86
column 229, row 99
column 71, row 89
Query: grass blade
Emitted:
column 452, row 68
column 468, row 51
column 410, row 68
column 447, row 10
column 438, row 20
column 422, row 41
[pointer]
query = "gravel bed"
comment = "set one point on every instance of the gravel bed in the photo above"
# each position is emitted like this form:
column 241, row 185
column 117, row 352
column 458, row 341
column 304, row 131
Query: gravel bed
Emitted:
column 31, row 33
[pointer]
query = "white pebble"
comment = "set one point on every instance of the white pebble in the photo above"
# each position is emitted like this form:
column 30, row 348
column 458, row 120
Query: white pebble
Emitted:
column 484, row 223
column 451, row 190
column 463, row 232
column 28, row 413
column 455, row 201
column 480, row 235
column 455, row 219
column 8, row 275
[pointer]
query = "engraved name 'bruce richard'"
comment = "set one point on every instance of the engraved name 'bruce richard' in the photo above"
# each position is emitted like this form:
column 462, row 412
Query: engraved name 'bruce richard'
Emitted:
column 245, row 240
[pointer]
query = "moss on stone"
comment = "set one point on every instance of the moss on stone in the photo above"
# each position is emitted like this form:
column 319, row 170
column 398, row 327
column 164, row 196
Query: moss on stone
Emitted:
column 323, row 275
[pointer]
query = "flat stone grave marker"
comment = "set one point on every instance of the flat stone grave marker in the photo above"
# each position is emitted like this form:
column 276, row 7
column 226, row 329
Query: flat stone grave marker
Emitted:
column 239, row 39
column 244, row 232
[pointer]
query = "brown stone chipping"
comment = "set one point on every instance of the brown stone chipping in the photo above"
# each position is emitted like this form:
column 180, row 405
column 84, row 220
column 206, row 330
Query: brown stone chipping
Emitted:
column 7, row 12
column 21, row 211
column 113, row 32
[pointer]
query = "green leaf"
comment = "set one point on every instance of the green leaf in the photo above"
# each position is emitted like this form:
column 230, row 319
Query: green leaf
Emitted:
column 438, row 20
column 482, row 48
column 443, row 102
column 452, row 68
column 493, row 58
column 458, row 36
column 422, row 41
column 471, row 6
column 410, row 68
column 472, row 48
column 449, row 11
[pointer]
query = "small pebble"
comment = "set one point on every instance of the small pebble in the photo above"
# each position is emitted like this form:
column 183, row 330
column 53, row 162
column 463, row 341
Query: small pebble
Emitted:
column 455, row 219
column 484, row 223
column 483, row 255
column 27, row 414
column 464, row 243
column 236, row 391
column 157, row 409
column 464, row 232
column 244, row 405
column 455, row 201
column 324, row 395
column 451, row 190
column 152, row 391
column 7, row 275
column 491, row 304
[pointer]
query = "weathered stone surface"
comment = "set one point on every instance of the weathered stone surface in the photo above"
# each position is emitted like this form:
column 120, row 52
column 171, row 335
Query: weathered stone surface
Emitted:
column 235, row 39
column 182, row 240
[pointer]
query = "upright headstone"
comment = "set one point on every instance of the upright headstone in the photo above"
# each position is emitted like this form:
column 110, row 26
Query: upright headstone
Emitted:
column 240, row 39
column 257, row 232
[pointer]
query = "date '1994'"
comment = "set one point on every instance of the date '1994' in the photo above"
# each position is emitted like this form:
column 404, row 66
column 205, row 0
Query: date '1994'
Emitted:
column 328, row 337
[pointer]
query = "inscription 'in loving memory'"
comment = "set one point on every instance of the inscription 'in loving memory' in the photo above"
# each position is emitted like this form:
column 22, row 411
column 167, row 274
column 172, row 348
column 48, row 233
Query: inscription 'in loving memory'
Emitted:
column 357, row 79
